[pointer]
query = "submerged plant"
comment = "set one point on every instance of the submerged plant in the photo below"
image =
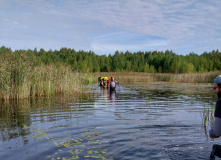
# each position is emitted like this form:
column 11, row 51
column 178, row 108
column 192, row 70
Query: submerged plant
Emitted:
column 208, row 116
column 212, row 118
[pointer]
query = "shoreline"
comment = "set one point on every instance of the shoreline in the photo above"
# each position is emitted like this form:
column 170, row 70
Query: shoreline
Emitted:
column 49, row 81
column 141, row 77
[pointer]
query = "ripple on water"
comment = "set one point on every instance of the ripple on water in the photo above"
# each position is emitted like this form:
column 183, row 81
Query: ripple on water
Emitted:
column 134, row 123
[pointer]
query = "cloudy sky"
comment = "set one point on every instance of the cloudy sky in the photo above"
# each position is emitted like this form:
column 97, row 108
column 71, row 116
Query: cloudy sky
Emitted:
column 104, row 26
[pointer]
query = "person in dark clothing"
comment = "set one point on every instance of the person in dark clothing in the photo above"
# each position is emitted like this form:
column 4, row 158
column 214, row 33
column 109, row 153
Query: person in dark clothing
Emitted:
column 215, row 152
column 215, row 131
column 112, row 96
column 112, row 84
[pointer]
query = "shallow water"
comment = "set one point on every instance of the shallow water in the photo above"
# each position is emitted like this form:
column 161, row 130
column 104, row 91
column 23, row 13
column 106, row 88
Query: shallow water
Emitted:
column 158, row 121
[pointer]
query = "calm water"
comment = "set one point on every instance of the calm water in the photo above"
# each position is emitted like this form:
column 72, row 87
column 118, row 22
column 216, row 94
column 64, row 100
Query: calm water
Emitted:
column 157, row 121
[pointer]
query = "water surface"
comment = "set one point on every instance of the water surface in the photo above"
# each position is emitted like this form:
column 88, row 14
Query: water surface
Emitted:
column 155, row 121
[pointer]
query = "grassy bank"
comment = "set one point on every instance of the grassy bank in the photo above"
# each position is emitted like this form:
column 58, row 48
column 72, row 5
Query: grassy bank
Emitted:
column 32, row 73
column 19, row 81
column 140, row 77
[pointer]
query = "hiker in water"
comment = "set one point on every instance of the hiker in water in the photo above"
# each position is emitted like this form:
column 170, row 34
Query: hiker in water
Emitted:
column 112, row 84
column 108, row 81
column 102, row 81
column 215, row 131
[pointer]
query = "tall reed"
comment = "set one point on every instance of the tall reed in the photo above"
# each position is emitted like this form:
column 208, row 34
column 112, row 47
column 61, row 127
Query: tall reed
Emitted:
column 128, row 77
column 208, row 116
column 18, row 81
column 141, row 77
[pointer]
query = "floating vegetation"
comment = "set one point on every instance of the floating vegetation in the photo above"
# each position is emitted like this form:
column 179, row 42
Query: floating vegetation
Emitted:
column 87, row 146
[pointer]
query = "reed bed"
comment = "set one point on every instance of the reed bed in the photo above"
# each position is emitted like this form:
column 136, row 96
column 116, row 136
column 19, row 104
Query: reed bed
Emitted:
column 22, row 81
column 194, row 77
column 128, row 77
column 140, row 77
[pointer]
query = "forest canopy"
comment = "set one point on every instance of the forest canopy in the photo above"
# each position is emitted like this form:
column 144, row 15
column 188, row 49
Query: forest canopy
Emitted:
column 149, row 61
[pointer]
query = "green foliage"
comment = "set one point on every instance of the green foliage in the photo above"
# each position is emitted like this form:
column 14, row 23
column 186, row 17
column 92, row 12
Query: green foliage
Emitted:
column 33, row 73
column 88, row 62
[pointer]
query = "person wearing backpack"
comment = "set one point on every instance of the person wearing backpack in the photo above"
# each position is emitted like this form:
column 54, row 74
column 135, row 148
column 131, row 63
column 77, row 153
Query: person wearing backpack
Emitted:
column 112, row 84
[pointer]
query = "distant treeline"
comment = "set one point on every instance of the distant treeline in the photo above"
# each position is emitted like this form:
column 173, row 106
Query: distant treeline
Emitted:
column 149, row 62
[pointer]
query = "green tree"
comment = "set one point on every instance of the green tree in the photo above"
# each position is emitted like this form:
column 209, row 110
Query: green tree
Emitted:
column 152, row 69
column 146, row 68
column 128, row 66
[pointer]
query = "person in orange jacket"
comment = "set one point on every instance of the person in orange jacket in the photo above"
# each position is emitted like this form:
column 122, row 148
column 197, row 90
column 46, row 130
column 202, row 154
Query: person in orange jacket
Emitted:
column 108, row 81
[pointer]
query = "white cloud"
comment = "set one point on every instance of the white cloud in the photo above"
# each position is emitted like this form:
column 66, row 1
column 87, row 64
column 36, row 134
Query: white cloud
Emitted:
column 84, row 25
column 124, row 41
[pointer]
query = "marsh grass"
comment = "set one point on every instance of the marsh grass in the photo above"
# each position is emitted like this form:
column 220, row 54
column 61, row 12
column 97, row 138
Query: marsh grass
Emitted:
column 140, row 77
column 18, row 81
column 21, row 78
column 128, row 77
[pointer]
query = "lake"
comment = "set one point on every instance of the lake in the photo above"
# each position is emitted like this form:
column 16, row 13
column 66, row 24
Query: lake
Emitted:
column 159, row 121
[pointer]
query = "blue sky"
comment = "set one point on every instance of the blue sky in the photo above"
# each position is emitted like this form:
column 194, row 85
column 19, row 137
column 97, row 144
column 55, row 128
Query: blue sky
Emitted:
column 106, row 26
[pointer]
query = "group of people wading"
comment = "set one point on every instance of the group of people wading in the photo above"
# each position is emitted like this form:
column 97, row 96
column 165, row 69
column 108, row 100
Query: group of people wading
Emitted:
column 214, row 132
column 110, row 83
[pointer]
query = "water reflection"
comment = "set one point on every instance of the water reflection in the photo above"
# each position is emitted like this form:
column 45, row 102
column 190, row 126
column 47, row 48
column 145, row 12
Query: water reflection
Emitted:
column 16, row 117
column 108, row 94
column 112, row 95
column 157, row 121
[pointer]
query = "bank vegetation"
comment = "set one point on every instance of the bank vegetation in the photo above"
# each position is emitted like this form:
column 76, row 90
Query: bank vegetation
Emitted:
column 33, row 73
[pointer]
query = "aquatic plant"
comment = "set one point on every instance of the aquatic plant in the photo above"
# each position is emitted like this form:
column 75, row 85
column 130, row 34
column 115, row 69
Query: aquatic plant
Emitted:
column 212, row 115
column 18, row 82
column 86, row 146
column 208, row 116
column 205, row 117
column 141, row 77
